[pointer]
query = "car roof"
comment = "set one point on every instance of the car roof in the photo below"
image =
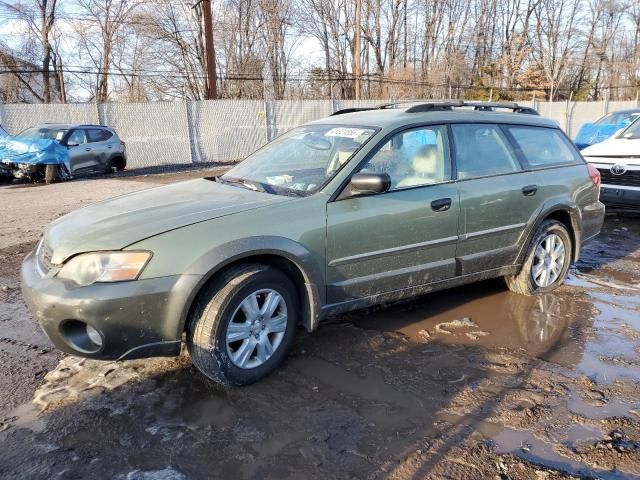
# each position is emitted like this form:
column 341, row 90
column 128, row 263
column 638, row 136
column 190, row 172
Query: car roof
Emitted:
column 398, row 117
column 624, row 110
column 68, row 125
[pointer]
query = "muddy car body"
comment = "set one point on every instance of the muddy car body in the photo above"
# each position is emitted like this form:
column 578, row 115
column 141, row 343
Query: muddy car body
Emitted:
column 342, row 213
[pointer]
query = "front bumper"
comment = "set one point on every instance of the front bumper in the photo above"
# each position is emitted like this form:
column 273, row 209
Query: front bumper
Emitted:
column 18, row 170
column 620, row 196
column 137, row 319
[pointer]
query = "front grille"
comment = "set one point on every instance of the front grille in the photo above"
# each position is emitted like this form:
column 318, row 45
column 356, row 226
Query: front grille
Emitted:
column 631, row 178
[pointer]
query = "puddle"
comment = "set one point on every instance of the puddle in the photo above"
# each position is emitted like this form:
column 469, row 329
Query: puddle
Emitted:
column 525, row 445
column 483, row 314
column 600, row 408
column 596, row 339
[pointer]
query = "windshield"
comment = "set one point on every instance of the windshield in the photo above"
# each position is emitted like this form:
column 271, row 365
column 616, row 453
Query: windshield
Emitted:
column 43, row 133
column 618, row 118
column 632, row 131
column 301, row 161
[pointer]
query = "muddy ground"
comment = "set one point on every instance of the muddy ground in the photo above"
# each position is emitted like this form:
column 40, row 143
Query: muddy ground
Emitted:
column 475, row 382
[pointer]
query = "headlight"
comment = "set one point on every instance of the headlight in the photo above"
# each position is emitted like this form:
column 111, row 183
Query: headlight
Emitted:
column 89, row 268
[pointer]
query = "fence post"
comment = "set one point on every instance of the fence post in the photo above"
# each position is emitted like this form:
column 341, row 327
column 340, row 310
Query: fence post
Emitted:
column 100, row 110
column 568, row 114
column 194, row 151
column 605, row 104
column 335, row 105
column 270, row 119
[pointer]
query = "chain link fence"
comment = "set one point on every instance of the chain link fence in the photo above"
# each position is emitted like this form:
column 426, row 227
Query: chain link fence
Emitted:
column 221, row 131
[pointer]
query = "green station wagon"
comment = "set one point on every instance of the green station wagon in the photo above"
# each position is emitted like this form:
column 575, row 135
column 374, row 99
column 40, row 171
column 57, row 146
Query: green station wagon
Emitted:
column 366, row 206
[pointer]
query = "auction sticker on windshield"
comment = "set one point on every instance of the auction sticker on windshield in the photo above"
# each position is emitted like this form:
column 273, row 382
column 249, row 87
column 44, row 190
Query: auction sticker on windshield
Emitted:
column 352, row 133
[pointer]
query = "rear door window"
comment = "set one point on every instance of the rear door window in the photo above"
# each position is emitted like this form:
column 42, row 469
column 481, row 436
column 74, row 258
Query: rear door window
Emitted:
column 543, row 147
column 482, row 150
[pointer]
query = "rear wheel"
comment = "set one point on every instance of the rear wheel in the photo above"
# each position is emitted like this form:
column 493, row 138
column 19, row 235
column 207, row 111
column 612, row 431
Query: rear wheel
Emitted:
column 118, row 163
column 547, row 261
column 243, row 325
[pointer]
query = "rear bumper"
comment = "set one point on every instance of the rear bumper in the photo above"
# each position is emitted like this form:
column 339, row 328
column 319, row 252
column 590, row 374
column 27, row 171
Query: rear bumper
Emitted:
column 620, row 196
column 142, row 318
column 592, row 220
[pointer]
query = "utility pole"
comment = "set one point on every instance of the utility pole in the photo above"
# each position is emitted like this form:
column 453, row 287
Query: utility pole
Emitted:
column 212, row 92
column 356, row 50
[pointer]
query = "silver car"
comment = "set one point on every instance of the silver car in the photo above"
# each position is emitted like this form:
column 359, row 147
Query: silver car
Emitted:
column 55, row 151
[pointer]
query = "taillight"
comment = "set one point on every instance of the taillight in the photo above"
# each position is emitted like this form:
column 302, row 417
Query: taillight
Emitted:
column 123, row 145
column 595, row 175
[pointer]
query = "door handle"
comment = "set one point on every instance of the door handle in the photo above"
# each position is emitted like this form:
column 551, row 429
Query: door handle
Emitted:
column 441, row 205
column 529, row 190
column 87, row 149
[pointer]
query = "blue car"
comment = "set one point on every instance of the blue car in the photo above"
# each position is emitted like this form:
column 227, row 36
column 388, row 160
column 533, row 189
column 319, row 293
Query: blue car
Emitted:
column 598, row 131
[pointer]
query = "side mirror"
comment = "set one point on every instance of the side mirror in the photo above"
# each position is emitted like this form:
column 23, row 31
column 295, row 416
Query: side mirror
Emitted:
column 369, row 183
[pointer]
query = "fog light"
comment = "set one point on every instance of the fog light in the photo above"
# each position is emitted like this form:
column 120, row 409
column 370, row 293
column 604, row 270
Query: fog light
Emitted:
column 94, row 335
column 81, row 337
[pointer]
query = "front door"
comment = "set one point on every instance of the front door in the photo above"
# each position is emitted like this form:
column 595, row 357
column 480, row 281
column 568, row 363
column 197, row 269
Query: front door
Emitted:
column 402, row 238
column 80, row 154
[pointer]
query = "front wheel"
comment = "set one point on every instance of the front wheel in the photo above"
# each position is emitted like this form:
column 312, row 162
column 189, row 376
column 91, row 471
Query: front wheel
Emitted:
column 547, row 261
column 51, row 174
column 243, row 324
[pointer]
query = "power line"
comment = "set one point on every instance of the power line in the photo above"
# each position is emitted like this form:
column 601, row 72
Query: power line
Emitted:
column 302, row 78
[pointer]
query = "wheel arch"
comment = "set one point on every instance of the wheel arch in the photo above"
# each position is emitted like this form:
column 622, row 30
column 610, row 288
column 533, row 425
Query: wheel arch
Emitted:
column 567, row 215
column 288, row 256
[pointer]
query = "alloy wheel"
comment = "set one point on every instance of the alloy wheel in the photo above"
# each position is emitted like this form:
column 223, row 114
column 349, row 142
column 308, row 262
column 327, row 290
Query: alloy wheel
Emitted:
column 257, row 328
column 549, row 259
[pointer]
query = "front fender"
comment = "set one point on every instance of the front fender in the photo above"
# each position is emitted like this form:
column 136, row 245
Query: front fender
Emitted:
column 221, row 256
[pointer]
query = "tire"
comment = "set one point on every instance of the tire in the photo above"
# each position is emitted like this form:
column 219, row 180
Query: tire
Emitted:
column 530, row 281
column 221, row 304
column 109, row 167
column 51, row 174
column 119, row 163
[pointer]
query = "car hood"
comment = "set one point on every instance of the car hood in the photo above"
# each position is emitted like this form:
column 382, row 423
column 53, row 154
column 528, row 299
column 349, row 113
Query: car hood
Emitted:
column 615, row 148
column 32, row 151
column 121, row 221
column 590, row 133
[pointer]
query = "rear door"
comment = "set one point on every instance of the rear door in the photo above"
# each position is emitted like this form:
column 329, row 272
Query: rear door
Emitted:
column 498, row 197
column 402, row 238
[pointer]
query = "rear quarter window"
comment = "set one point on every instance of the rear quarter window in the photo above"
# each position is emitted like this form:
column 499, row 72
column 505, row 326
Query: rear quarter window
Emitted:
column 543, row 147
column 96, row 135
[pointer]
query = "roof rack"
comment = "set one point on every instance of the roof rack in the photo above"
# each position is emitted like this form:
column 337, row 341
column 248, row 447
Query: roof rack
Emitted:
column 444, row 105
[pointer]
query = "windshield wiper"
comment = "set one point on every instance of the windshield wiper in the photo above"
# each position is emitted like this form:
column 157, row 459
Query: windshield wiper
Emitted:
column 248, row 184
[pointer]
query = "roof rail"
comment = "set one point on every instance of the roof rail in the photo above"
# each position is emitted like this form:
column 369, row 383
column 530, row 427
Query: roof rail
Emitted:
column 444, row 105
column 352, row 110
column 478, row 106
column 384, row 106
